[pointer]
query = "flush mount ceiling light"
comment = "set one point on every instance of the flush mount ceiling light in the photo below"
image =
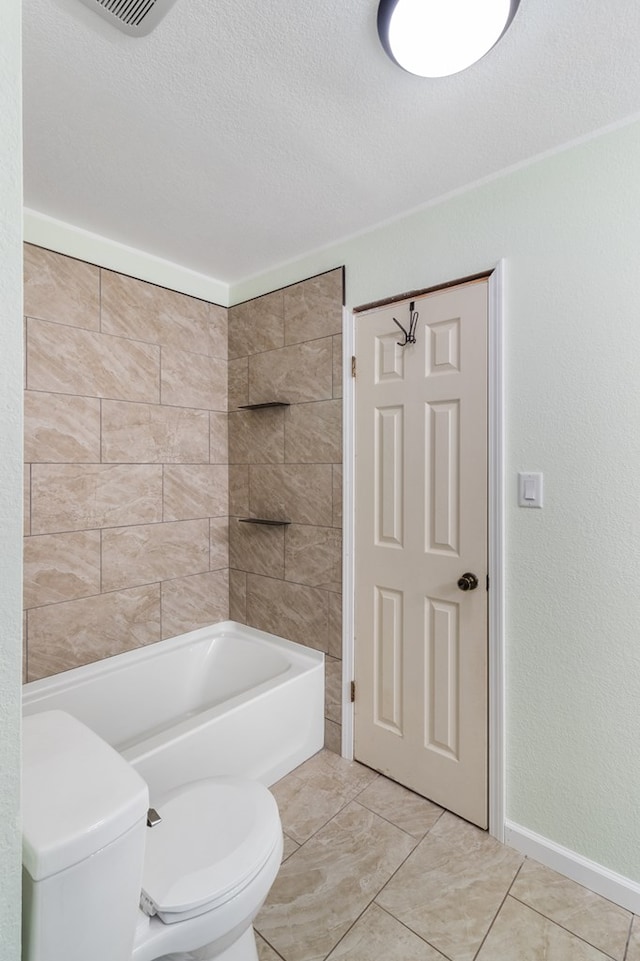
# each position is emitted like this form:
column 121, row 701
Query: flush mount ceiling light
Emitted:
column 436, row 38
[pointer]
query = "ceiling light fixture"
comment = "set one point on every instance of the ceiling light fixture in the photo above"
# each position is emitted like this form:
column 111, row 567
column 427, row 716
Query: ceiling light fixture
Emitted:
column 436, row 38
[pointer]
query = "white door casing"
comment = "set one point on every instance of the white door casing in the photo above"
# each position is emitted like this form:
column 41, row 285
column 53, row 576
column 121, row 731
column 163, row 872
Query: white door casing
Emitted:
column 420, row 523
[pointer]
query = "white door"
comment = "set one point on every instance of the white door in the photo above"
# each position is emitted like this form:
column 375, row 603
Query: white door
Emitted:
column 420, row 526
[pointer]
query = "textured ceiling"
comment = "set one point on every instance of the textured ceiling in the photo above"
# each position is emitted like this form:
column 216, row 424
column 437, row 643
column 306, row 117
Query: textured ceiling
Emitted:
column 243, row 133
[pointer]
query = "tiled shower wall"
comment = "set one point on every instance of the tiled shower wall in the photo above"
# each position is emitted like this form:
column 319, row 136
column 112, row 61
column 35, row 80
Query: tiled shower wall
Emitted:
column 286, row 463
column 127, row 489
column 126, row 478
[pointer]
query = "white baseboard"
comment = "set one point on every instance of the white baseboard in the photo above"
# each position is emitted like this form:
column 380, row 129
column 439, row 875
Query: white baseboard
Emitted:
column 615, row 887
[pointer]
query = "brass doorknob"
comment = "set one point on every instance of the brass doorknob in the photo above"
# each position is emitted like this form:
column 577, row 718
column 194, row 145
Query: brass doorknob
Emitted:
column 468, row 582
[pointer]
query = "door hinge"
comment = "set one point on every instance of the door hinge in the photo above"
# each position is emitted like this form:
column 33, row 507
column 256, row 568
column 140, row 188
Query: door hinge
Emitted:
column 353, row 366
column 353, row 691
column 487, row 582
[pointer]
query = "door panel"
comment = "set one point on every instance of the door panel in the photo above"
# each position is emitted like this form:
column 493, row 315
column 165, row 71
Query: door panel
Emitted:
column 421, row 522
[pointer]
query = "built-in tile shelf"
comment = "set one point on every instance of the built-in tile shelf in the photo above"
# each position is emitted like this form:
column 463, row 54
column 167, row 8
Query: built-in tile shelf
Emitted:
column 271, row 403
column 264, row 521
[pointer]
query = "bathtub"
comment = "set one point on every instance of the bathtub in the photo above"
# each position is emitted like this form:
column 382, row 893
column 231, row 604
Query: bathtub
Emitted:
column 225, row 699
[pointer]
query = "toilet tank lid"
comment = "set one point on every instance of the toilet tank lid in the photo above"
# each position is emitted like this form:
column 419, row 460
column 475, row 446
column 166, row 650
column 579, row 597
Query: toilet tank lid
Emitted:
column 78, row 793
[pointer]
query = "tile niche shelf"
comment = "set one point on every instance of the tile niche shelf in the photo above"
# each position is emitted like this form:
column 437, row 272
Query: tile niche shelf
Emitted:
column 271, row 403
column 263, row 520
column 266, row 522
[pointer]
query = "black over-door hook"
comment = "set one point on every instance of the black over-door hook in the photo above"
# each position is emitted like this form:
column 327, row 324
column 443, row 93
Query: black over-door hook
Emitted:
column 410, row 336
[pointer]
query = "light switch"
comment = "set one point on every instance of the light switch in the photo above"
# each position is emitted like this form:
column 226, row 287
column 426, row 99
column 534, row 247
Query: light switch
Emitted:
column 529, row 489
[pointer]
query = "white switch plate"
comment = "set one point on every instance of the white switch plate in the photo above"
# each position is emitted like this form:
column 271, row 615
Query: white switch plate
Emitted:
column 529, row 489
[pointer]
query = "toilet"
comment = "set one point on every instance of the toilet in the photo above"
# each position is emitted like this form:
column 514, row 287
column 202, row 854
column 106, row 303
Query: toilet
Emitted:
column 107, row 879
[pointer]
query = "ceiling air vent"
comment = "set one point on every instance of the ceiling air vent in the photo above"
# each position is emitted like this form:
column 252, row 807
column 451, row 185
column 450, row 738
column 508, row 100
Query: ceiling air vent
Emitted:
column 135, row 17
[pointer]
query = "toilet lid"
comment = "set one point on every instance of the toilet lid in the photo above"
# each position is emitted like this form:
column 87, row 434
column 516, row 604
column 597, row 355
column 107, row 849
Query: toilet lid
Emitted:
column 214, row 837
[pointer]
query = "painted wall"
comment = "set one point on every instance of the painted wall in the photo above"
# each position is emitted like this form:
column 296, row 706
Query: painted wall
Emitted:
column 287, row 463
column 11, row 368
column 568, row 227
column 126, row 478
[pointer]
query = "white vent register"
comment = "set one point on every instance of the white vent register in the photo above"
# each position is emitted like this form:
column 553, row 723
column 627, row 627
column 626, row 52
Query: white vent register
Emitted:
column 135, row 17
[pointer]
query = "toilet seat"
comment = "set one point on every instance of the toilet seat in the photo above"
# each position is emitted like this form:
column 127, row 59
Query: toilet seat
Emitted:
column 214, row 838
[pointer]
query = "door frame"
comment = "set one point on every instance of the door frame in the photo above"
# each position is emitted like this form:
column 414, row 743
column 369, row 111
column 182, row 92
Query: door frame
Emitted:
column 496, row 526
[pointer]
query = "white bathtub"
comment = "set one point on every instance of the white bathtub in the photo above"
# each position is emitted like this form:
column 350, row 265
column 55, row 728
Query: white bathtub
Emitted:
column 225, row 699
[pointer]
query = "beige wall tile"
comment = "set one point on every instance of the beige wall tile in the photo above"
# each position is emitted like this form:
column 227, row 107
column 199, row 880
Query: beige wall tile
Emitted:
column 62, row 636
column 332, row 736
column 218, row 437
column 296, row 374
column 313, row 556
column 191, row 380
column 195, row 490
column 25, row 676
column 335, row 625
column 150, row 433
column 95, row 472
column 68, row 497
column 337, row 495
column 153, row 552
column 337, row 365
column 238, row 490
column 61, row 289
column 218, row 331
column 256, row 549
column 238, row 371
column 238, row 596
column 313, row 433
column 257, row 325
column 333, row 689
column 313, row 308
column 192, row 602
column 26, row 500
column 61, row 428
column 142, row 311
column 256, row 436
column 289, row 610
column 67, row 360
column 61, row 567
column 301, row 493
column 219, row 543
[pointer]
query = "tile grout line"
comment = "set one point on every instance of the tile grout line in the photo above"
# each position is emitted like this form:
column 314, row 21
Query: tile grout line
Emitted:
column 414, row 933
column 393, row 824
column 626, row 947
column 277, row 953
column 502, row 903
column 349, row 929
column 339, row 811
column 414, row 848
column 559, row 924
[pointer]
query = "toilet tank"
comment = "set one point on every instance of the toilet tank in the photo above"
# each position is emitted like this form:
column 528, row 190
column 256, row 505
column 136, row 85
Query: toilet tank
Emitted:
column 83, row 835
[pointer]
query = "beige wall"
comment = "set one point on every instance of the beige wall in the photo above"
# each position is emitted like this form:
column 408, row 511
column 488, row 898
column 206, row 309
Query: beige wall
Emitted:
column 126, row 485
column 287, row 463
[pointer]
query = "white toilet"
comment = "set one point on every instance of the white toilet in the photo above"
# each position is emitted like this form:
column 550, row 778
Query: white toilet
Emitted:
column 100, row 885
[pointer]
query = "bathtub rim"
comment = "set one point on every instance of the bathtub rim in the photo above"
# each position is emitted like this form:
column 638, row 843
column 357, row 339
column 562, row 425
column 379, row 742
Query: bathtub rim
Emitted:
column 298, row 655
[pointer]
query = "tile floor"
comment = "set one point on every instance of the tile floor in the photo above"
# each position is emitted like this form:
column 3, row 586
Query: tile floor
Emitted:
column 372, row 872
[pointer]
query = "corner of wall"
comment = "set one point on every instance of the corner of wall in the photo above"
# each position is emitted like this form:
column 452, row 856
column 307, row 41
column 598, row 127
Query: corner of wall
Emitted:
column 44, row 231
